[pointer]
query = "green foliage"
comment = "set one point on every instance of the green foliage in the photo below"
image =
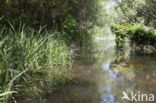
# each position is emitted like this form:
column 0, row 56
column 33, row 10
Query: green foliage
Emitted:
column 35, row 58
column 121, row 34
column 29, row 60
column 69, row 17
column 136, row 21
column 136, row 11
column 137, row 34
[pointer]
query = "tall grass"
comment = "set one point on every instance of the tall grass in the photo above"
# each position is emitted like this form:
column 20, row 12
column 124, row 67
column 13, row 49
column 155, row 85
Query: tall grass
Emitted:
column 31, row 61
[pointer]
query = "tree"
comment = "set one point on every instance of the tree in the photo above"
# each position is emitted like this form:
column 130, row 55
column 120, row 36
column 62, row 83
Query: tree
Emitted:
column 137, row 11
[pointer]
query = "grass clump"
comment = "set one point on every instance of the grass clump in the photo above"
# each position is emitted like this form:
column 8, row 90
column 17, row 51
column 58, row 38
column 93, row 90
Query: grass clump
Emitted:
column 31, row 61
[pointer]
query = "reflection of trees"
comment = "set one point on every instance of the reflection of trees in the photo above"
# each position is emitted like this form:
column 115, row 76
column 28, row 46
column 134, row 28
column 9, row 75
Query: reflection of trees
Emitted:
column 122, row 55
column 99, row 52
column 105, row 51
column 110, row 83
column 145, row 80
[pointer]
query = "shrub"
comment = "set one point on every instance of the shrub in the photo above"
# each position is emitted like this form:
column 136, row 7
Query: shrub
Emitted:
column 137, row 34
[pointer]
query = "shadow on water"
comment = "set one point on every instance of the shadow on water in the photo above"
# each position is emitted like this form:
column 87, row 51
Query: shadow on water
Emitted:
column 102, row 74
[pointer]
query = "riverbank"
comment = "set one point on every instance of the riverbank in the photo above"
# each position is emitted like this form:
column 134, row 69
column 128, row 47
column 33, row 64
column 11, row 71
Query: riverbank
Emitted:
column 141, row 38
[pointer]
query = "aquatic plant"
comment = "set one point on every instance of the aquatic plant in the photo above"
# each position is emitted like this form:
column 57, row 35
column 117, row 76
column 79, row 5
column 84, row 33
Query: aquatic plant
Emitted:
column 31, row 61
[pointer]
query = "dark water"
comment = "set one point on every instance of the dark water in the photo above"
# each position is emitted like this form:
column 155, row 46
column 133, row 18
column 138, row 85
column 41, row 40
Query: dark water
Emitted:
column 103, row 73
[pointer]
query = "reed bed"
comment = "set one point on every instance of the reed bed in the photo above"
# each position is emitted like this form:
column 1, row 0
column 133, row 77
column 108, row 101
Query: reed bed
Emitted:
column 31, row 62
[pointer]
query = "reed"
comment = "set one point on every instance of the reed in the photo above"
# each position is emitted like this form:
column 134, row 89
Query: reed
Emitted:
column 31, row 61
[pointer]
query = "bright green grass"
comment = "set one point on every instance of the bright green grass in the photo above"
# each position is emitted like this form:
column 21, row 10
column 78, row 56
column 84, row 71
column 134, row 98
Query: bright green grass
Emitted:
column 31, row 62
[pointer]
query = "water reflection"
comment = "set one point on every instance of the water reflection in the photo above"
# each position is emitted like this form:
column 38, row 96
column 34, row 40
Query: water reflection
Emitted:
column 101, row 76
column 107, row 96
column 112, row 74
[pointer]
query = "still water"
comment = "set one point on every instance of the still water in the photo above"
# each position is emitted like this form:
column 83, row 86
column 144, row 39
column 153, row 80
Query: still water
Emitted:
column 102, row 73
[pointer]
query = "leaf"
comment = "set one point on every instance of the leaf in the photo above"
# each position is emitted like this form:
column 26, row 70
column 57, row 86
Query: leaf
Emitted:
column 7, row 93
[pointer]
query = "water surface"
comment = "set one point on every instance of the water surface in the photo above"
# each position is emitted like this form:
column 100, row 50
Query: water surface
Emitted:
column 102, row 73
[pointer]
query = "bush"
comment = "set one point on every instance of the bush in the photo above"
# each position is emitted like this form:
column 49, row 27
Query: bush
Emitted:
column 138, row 35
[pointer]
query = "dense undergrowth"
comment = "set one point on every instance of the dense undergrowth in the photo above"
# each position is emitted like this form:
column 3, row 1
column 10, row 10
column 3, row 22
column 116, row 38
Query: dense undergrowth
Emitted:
column 138, row 35
column 31, row 62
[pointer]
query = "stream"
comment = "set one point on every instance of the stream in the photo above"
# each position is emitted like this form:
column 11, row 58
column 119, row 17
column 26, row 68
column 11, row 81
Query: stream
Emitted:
column 103, row 73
